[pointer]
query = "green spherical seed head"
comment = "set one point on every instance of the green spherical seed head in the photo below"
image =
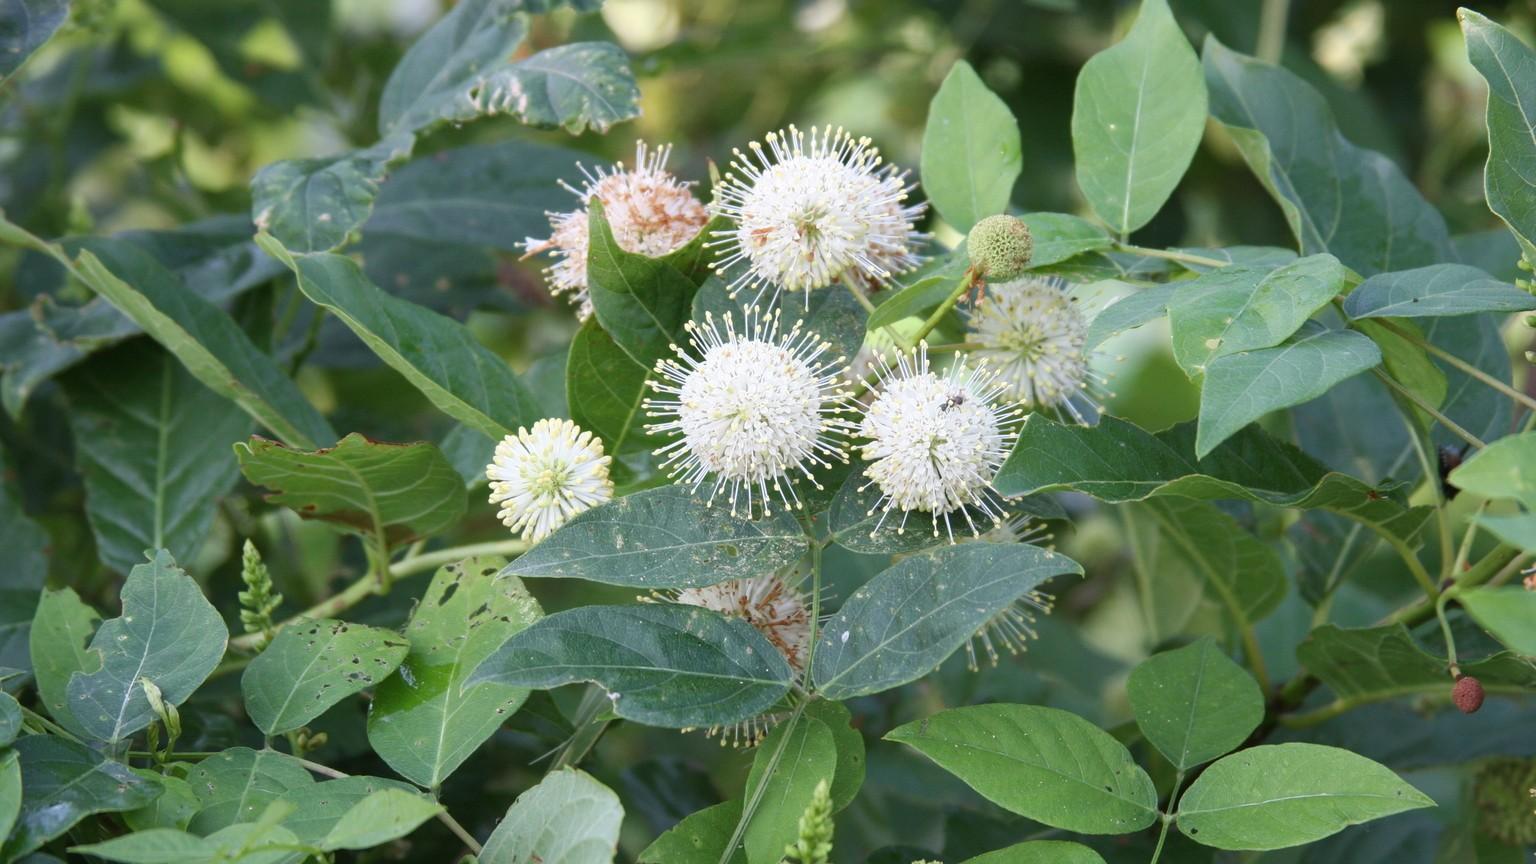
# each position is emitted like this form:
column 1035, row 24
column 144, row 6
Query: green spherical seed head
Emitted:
column 1000, row 247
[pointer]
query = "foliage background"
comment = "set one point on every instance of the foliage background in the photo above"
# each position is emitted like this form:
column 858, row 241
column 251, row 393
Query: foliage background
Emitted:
column 151, row 113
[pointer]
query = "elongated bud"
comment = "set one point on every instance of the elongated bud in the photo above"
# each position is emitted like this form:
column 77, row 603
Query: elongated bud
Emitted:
column 1467, row 694
column 814, row 844
column 1000, row 247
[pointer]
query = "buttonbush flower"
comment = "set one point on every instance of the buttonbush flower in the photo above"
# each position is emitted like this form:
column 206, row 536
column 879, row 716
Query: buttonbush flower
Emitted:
column 1033, row 333
column 936, row 440
column 750, row 409
column 812, row 209
column 649, row 210
column 544, row 476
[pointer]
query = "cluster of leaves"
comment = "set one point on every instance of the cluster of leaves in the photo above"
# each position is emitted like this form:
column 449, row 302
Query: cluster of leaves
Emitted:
column 126, row 740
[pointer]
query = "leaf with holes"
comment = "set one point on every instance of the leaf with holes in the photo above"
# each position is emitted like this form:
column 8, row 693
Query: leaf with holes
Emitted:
column 312, row 665
column 63, row 782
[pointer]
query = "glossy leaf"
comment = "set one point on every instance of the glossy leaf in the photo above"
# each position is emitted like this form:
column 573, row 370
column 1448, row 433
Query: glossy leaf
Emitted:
column 1508, row 612
column 662, row 664
column 312, row 665
column 643, row 303
column 906, row 621
column 1043, row 763
column 1241, row 388
column 423, row 721
column 156, row 457
column 1336, row 197
column 236, row 785
column 1509, row 67
column 169, row 634
column 663, row 538
column 568, row 818
column 393, row 492
column 1434, row 291
column 1137, row 117
column 63, row 782
column 786, row 768
column 438, row 355
column 971, row 150
column 1279, row 795
column 1194, row 703
column 607, row 389
column 61, row 631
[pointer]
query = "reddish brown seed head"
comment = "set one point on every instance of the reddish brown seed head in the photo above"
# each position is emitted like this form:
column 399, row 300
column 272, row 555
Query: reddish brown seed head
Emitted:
column 1467, row 694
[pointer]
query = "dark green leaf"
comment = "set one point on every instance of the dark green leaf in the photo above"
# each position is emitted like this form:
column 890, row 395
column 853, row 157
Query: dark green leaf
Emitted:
column 1137, row 117
column 169, row 635
column 1437, row 290
column 1043, row 763
column 10, row 719
column 237, row 785
column 1279, row 795
column 662, row 664
column 1376, row 663
column 1238, row 570
column 698, row 839
column 24, row 26
column 63, row 782
column 153, row 452
column 61, row 629
column 1509, row 67
column 1508, row 612
column 642, row 302
column 312, row 665
column 173, row 809
column 22, row 572
column 569, row 818
column 313, row 205
column 606, row 390
column 849, row 742
column 971, row 150
column 832, row 314
column 906, row 621
column 10, row 791
column 788, row 765
column 663, row 538
column 1336, row 197
column 1194, row 703
column 423, row 721
column 394, row 492
column 438, row 355
column 1130, row 312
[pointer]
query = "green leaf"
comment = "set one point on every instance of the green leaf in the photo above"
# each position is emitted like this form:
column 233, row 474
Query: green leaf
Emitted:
column 1241, row 308
column 22, row 573
column 971, row 150
column 569, row 818
column 1509, row 67
column 832, row 315
column 699, row 838
column 393, row 492
column 1435, row 291
column 1508, row 612
column 249, row 843
column 1280, row 795
column 1043, row 763
column 1504, row 469
column 169, row 634
column 1130, row 312
column 850, row 749
column 1241, row 388
column 1060, row 236
column 423, row 721
column 1336, row 197
column 312, row 665
column 662, row 664
column 313, row 205
column 63, row 782
column 235, row 786
column 10, row 718
column 319, row 807
column 1376, row 663
column 1238, row 570
column 203, row 337
column 24, row 26
column 379, row 818
column 153, row 452
column 1137, row 116
column 1409, row 365
column 1194, row 703
column 663, row 538
column 438, row 355
column 10, row 791
column 173, row 809
column 1040, row 852
column 606, row 390
column 801, row 755
column 61, row 629
column 643, row 303
column 1118, row 461
column 906, row 621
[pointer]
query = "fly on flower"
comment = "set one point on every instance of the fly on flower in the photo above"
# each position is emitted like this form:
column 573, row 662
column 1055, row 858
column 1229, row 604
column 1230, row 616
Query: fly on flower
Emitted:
column 751, row 409
column 544, row 476
column 810, row 210
column 649, row 210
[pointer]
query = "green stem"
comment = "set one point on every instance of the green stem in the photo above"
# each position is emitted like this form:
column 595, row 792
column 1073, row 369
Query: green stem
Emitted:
column 1445, row 631
column 1271, row 41
column 965, row 284
column 587, row 729
column 48, row 725
column 1459, row 363
column 859, row 295
column 1167, row 817
column 1429, row 409
column 1343, row 706
column 810, row 653
column 1171, row 255
column 750, row 807
column 368, row 585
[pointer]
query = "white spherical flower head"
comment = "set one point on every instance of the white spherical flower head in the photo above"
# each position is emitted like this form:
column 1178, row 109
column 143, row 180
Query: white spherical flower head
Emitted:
column 1034, row 335
column 751, row 408
column 649, row 210
column 936, row 440
column 812, row 209
column 544, row 476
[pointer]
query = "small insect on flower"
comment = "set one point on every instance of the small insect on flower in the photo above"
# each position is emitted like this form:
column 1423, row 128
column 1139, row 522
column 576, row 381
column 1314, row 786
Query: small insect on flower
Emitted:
column 751, row 409
column 649, row 210
column 936, row 440
column 1035, row 335
column 544, row 476
column 812, row 209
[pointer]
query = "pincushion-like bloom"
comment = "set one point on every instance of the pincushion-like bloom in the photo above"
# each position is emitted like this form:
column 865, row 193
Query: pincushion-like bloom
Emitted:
column 936, row 440
column 1034, row 335
column 750, row 408
column 544, row 476
column 812, row 209
column 649, row 210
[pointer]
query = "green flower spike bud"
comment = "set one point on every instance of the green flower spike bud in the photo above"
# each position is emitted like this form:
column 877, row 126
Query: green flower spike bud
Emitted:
column 1000, row 247
column 814, row 845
